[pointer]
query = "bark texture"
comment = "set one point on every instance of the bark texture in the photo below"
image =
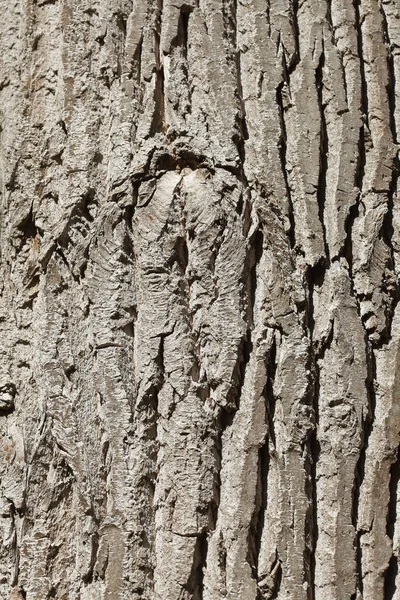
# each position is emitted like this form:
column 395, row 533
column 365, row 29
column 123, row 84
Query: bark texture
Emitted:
column 200, row 332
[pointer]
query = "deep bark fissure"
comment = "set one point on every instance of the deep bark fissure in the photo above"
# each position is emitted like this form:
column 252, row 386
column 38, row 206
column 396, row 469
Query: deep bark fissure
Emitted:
column 391, row 87
column 393, row 486
column 390, row 578
column 360, row 52
column 323, row 149
column 270, row 400
column 359, row 474
column 387, row 233
column 282, row 155
column 158, row 120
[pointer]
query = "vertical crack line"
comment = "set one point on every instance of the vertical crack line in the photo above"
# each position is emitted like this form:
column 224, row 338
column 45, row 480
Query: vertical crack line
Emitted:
column 392, row 516
column 361, row 160
column 147, row 417
column 270, row 401
column 328, row 17
column 137, row 61
column 277, row 571
column 180, row 43
column 387, row 225
column 256, row 243
column 268, row 16
column 391, row 87
column 244, row 134
column 258, row 518
column 347, row 251
column 183, row 30
column 393, row 485
column 364, row 92
column 387, row 232
column 282, row 156
column 313, row 455
column 315, row 279
column 323, row 149
column 294, row 6
column 390, row 578
column 360, row 467
column 242, row 122
column 158, row 124
column 195, row 585
column 312, row 522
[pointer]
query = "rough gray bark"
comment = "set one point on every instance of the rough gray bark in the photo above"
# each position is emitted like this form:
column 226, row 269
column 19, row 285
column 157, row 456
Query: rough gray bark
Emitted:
column 200, row 357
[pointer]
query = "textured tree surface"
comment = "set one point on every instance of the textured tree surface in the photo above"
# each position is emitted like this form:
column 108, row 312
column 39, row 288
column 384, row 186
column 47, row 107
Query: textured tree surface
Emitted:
column 200, row 335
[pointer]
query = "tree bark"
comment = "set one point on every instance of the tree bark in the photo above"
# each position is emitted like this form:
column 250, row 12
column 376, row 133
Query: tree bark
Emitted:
column 200, row 253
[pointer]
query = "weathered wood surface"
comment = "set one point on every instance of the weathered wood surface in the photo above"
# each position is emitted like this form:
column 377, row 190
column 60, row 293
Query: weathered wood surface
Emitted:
column 200, row 335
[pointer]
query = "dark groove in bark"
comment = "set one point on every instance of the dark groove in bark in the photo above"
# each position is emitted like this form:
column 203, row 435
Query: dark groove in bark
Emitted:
column 387, row 232
column 364, row 93
column 147, row 415
column 261, row 498
column 253, row 260
column 348, row 243
column 263, row 461
column 360, row 467
column 393, row 486
column 244, row 352
column 313, row 454
column 294, row 9
column 270, row 401
column 315, row 278
column 323, row 149
column 390, row 578
column 244, row 134
column 158, row 121
column 28, row 226
column 391, row 87
column 181, row 39
column 278, row 580
column 195, row 584
column 328, row 15
column 282, row 155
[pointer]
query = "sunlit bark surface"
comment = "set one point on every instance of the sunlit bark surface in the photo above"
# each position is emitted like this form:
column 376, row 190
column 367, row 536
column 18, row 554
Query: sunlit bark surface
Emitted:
column 200, row 335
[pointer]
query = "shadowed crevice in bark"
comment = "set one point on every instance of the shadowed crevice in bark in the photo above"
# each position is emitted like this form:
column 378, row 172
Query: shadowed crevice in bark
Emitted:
column 253, row 260
column 195, row 584
column 257, row 522
column 243, row 356
column 391, row 87
column 323, row 149
column 282, row 155
column 347, row 251
column 270, row 400
column 273, row 589
column 28, row 226
column 360, row 467
column 394, row 484
column 294, row 9
column 240, row 140
column 311, row 534
column 360, row 52
column 390, row 578
column 387, row 233
column 258, row 518
column 158, row 124
column 315, row 280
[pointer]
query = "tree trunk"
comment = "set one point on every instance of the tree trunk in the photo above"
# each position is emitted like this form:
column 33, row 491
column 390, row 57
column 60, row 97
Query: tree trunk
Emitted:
column 200, row 252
